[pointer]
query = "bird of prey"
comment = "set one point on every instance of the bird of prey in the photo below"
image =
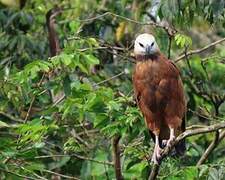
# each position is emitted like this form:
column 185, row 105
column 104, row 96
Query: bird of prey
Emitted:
column 159, row 94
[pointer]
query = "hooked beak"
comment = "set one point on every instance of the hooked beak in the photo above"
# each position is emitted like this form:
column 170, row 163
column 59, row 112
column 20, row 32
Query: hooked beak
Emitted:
column 148, row 49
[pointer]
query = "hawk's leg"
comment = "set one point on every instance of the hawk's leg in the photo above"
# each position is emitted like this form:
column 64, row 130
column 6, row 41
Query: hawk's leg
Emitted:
column 157, row 151
column 172, row 137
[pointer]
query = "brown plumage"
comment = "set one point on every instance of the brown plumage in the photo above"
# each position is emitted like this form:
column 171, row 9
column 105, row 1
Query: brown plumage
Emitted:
column 159, row 94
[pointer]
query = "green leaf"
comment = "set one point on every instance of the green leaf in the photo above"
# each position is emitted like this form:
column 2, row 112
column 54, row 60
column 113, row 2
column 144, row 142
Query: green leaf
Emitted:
column 92, row 60
column 66, row 59
column 82, row 68
column 136, row 170
column 98, row 169
column 182, row 40
column 93, row 42
column 74, row 25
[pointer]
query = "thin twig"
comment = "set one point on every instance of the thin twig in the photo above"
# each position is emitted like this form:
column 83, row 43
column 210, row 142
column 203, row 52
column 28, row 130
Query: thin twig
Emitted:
column 169, row 47
column 195, row 126
column 9, row 116
column 109, row 79
column 29, row 109
column 77, row 156
column 211, row 147
column 29, row 171
column 16, row 174
column 79, row 139
column 168, row 29
column 59, row 100
column 34, row 97
column 31, row 105
column 197, row 51
column 215, row 118
column 61, row 175
column 188, row 62
column 99, row 83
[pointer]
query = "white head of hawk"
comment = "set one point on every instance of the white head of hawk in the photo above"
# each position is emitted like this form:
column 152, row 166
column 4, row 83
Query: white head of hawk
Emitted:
column 145, row 44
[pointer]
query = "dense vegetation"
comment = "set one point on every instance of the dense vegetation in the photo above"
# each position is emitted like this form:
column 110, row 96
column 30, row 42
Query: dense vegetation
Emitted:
column 70, row 113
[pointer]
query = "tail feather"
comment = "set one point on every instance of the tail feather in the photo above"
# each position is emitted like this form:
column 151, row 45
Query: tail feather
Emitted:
column 181, row 146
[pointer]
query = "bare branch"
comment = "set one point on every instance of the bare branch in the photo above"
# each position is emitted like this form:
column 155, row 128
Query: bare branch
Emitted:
column 61, row 175
column 29, row 110
column 9, row 116
column 169, row 47
column 116, row 157
column 202, row 130
column 18, row 175
column 154, row 172
column 59, row 100
column 109, row 79
column 77, row 156
column 197, row 51
column 187, row 133
column 195, row 126
column 170, row 30
column 212, row 146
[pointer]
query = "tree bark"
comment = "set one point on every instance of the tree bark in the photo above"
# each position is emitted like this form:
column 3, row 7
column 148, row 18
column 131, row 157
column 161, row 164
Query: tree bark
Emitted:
column 116, row 157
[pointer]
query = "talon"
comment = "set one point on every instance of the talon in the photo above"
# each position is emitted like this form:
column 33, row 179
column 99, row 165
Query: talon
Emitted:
column 170, row 141
column 157, row 151
column 154, row 159
column 156, row 155
column 164, row 143
column 172, row 137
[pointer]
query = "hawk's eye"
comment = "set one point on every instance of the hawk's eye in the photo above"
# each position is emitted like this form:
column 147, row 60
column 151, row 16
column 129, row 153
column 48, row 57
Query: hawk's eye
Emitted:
column 152, row 44
column 141, row 45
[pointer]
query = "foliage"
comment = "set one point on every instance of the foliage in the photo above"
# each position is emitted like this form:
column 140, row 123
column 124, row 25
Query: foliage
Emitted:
column 93, row 71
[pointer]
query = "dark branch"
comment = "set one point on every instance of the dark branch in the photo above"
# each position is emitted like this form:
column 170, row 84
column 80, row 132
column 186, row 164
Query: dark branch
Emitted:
column 53, row 37
column 169, row 47
column 116, row 157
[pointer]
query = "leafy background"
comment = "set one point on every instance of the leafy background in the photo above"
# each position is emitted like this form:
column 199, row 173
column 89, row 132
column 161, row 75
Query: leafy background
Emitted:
column 72, row 138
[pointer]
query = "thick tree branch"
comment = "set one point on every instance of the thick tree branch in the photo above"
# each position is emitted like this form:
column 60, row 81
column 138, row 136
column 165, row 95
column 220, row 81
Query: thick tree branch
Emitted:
column 53, row 38
column 154, row 172
column 54, row 46
column 116, row 157
column 197, row 51
column 187, row 133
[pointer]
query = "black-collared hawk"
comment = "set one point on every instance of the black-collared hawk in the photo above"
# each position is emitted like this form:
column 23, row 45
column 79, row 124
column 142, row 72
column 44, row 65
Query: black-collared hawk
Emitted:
column 159, row 94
